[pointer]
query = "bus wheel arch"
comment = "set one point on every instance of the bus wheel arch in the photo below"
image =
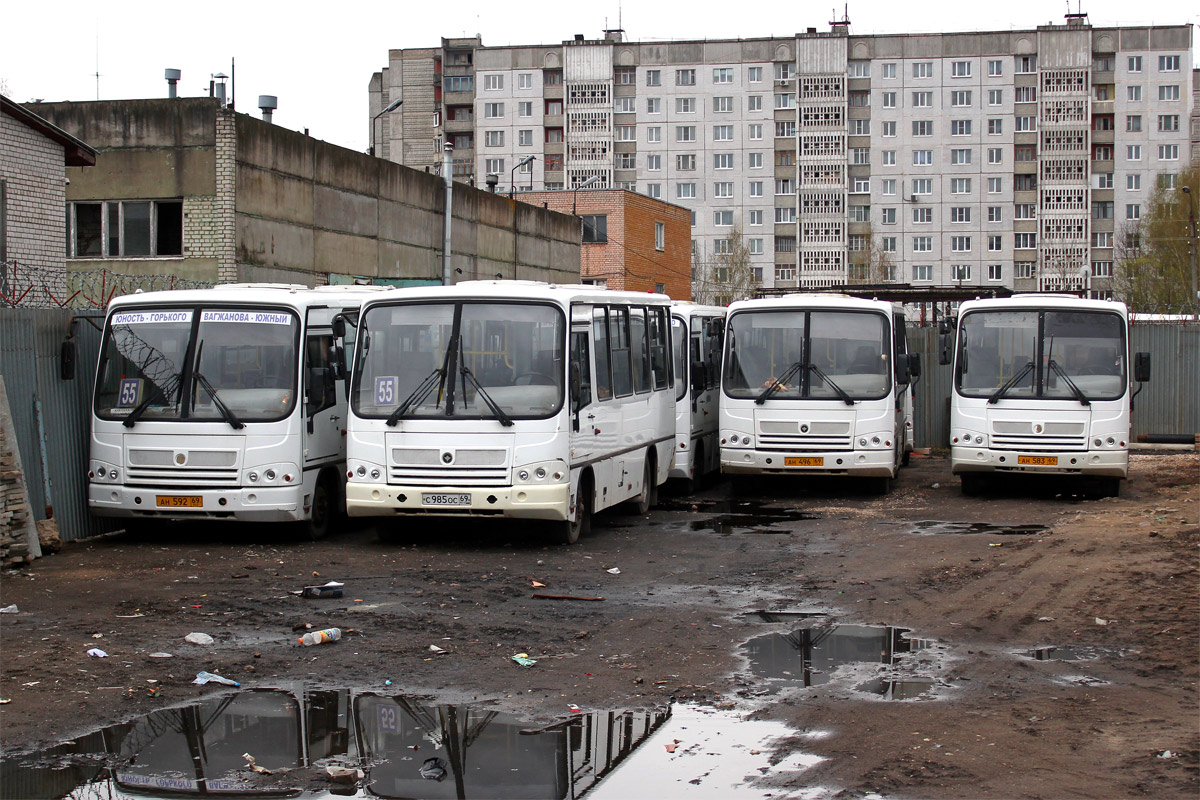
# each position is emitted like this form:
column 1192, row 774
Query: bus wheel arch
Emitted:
column 572, row 530
column 322, row 506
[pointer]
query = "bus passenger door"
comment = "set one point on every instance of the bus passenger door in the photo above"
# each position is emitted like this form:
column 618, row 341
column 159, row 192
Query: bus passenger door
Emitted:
column 581, row 396
column 324, row 406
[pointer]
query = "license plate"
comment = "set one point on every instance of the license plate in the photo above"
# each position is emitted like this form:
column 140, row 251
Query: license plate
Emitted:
column 804, row 462
column 1038, row 461
column 179, row 501
column 445, row 499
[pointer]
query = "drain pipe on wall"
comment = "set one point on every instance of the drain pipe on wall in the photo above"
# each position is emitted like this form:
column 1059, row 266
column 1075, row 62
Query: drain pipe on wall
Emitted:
column 447, row 150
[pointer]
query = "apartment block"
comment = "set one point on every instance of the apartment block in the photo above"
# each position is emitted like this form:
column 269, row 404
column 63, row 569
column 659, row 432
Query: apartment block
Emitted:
column 1015, row 159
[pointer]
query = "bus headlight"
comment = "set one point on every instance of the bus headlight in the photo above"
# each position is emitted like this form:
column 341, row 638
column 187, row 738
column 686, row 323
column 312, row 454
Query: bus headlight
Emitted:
column 101, row 472
column 543, row 472
column 363, row 470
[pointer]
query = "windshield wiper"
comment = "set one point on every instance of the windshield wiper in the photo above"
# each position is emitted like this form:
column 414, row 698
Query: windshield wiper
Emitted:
column 779, row 383
column 1079, row 395
column 137, row 412
column 1010, row 383
column 839, row 390
column 229, row 416
column 505, row 420
column 418, row 395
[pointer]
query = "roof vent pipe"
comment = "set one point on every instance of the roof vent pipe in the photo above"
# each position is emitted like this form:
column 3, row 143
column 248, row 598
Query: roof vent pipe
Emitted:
column 267, row 103
column 172, row 76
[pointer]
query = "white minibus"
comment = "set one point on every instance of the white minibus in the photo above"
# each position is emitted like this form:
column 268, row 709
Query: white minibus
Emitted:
column 222, row 404
column 696, row 333
column 510, row 399
column 816, row 384
column 1041, row 386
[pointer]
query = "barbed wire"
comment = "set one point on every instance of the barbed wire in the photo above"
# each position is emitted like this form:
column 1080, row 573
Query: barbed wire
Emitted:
column 25, row 286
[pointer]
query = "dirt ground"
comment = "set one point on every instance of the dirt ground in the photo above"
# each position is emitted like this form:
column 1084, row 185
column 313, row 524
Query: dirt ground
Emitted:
column 1120, row 575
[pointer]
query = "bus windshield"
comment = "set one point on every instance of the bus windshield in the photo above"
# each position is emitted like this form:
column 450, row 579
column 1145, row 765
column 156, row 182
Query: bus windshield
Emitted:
column 1065, row 355
column 222, row 364
column 475, row 360
column 814, row 354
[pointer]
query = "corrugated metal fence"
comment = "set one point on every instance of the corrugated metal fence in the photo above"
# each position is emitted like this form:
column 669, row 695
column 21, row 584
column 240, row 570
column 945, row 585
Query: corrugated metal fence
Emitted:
column 52, row 416
column 1169, row 403
column 30, row 342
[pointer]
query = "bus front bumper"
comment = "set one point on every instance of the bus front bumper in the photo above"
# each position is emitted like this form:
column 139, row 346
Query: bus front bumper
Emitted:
column 866, row 463
column 260, row 504
column 1104, row 463
column 539, row 501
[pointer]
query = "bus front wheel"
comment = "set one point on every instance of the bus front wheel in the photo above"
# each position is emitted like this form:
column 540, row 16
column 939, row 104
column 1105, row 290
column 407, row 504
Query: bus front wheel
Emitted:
column 572, row 530
column 321, row 511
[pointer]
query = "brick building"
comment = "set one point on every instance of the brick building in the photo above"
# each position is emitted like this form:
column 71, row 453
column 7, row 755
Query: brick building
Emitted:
column 191, row 189
column 630, row 241
column 34, row 156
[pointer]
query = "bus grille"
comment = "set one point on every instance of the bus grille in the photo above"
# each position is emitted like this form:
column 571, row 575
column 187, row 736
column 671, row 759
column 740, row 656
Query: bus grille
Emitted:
column 153, row 467
column 431, row 466
column 800, row 436
column 1024, row 435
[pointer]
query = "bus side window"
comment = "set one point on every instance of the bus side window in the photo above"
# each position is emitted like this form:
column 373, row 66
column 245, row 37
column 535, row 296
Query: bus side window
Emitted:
column 322, row 386
column 603, row 360
column 581, row 374
column 618, row 342
column 638, row 350
column 659, row 354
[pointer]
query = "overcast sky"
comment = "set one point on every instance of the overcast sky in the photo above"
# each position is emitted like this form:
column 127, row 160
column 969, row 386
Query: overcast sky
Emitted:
column 318, row 57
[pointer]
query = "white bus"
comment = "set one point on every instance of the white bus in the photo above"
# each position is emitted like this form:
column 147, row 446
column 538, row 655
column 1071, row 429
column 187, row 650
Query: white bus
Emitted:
column 222, row 404
column 1041, row 385
column 696, row 333
column 510, row 399
column 816, row 384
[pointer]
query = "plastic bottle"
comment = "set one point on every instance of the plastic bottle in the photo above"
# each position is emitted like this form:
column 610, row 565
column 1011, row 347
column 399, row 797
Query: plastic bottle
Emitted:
column 320, row 637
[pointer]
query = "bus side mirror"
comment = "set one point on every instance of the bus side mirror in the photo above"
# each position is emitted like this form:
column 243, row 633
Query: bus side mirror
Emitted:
column 914, row 365
column 339, row 326
column 716, row 326
column 699, row 378
column 66, row 360
column 337, row 362
column 903, row 370
column 944, row 352
column 1141, row 367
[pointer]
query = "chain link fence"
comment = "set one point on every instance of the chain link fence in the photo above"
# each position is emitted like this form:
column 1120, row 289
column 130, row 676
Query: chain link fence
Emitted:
column 25, row 286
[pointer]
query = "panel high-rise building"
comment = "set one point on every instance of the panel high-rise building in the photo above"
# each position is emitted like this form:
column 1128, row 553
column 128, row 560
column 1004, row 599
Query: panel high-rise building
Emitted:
column 997, row 159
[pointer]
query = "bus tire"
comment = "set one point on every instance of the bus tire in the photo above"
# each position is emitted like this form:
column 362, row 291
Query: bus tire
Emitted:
column 904, row 459
column 972, row 483
column 881, row 485
column 322, row 510
column 1105, row 487
column 572, row 530
column 696, row 482
column 644, row 501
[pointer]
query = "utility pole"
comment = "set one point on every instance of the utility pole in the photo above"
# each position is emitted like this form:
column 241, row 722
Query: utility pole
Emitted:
column 447, row 174
column 1192, row 246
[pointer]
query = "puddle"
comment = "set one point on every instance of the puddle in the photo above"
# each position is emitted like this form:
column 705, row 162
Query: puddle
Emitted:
column 734, row 516
column 784, row 616
column 809, row 656
column 897, row 690
column 942, row 527
column 1078, row 653
column 407, row 748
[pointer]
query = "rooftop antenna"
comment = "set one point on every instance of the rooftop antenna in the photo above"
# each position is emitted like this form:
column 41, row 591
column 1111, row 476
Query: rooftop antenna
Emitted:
column 97, row 59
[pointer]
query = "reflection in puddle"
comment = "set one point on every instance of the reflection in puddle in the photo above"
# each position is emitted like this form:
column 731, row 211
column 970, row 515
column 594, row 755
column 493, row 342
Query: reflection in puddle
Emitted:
column 807, row 656
column 405, row 747
column 896, row 690
column 940, row 526
column 734, row 515
column 1078, row 653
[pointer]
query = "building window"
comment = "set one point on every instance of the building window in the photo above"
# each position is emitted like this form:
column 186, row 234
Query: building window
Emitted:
column 624, row 161
column 654, row 190
column 888, row 158
column 888, row 216
column 922, row 158
column 756, row 188
column 860, row 155
column 626, row 133
column 525, row 108
column 685, row 191
column 723, row 75
column 1133, row 123
column 524, row 80
column 459, row 83
column 1026, row 65
column 1024, row 269
column 922, row 127
column 785, row 215
column 654, row 162
column 1133, row 211
column 995, row 243
column 525, row 138
column 1168, row 63
column 922, row 272
column 493, row 110
column 493, row 138
column 785, row 129
column 552, row 77
column 960, row 69
column 754, row 160
column 685, row 77
column 995, row 185
column 1102, row 209
column 1168, row 152
column 888, row 186
column 722, row 133
column 861, row 186
column 595, row 228
column 862, row 127
column 756, row 246
column 1102, row 269
column 922, row 69
column 1135, row 63
column 754, row 102
column 127, row 228
column 888, row 99
column 960, row 98
column 960, row 272
column 685, row 105
column 1025, row 241
column 960, row 244
column 685, row 162
column 889, row 70
column 755, row 132
column 756, row 218
column 1026, row 123
column 995, row 97
column 1026, row 94
column 785, row 244
column 1134, row 93
column 960, row 127
column 723, row 161
column 995, row 68
column 922, row 215
column 784, row 186
column 1133, row 182
column 660, row 236
column 1168, row 123
column 685, row 133
column 1168, row 92
column 995, row 155
column 922, row 244
column 493, row 166
column 960, row 213
column 653, row 105
column 654, row 134
column 995, row 127
column 995, row 213
column 493, row 83
column 960, row 155
column 888, row 244
column 723, row 219
column 922, row 99
column 625, row 105
column 888, row 128
column 723, row 189
column 922, row 186
column 653, row 77
column 554, row 108
column 1102, row 239
column 960, row 186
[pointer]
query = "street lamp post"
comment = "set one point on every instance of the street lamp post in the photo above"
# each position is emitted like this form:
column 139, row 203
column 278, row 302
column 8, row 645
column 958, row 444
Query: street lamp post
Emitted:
column 584, row 185
column 512, row 178
column 392, row 106
column 1192, row 246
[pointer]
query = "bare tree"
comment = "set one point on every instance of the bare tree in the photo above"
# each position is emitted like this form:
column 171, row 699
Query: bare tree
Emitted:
column 868, row 262
column 726, row 275
column 1153, row 256
column 1062, row 273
